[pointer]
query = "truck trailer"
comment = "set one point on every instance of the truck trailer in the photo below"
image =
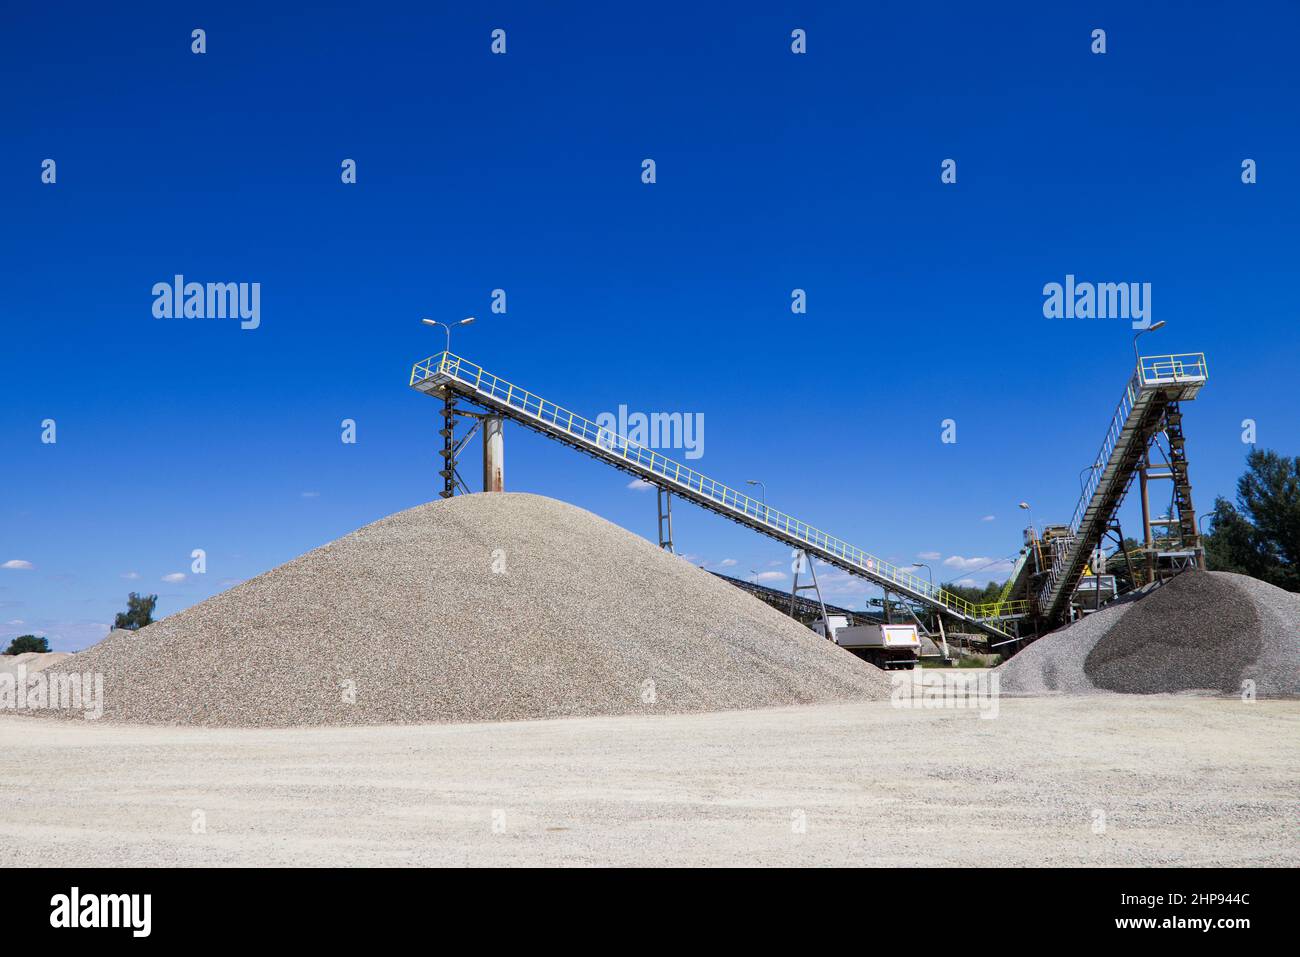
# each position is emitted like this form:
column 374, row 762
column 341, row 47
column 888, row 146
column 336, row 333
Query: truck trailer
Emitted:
column 891, row 647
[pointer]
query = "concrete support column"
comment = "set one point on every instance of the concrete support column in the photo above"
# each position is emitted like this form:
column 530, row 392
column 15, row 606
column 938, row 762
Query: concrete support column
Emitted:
column 494, row 454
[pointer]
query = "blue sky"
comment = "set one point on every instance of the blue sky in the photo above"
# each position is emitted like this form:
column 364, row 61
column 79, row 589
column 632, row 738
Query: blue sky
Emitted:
column 775, row 171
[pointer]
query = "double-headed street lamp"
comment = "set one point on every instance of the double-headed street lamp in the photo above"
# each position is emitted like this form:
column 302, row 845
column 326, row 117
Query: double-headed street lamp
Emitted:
column 435, row 322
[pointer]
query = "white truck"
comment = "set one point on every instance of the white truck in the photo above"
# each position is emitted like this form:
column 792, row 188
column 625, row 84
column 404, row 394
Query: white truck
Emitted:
column 885, row 646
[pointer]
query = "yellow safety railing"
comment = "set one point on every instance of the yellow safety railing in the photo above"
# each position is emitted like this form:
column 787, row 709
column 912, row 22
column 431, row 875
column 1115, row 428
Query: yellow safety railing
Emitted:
column 1002, row 609
column 1185, row 367
column 666, row 472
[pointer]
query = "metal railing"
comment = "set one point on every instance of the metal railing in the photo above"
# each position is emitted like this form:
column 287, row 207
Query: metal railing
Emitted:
column 669, row 474
column 1164, row 370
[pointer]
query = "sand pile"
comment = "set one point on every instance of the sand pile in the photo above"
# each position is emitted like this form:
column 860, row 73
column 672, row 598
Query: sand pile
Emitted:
column 1200, row 631
column 477, row 608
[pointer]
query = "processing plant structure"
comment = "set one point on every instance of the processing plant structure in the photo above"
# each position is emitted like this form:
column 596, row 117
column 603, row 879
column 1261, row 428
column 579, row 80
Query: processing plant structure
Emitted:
column 1057, row 575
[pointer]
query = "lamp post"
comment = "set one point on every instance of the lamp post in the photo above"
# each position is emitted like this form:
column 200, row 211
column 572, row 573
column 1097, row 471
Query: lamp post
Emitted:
column 1091, row 468
column 1200, row 540
column 937, row 619
column 1151, row 328
column 929, row 571
column 435, row 322
column 493, row 453
column 1038, row 553
column 762, row 491
column 1025, row 506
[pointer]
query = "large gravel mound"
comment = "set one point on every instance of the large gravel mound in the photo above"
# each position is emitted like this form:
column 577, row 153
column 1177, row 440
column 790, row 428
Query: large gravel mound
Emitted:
column 1200, row 631
column 478, row 608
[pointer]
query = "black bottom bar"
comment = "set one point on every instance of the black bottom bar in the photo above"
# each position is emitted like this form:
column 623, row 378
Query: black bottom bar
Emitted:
column 933, row 908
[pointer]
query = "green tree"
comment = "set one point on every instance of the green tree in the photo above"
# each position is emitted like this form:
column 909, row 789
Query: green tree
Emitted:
column 1260, row 535
column 975, row 595
column 139, row 612
column 25, row 643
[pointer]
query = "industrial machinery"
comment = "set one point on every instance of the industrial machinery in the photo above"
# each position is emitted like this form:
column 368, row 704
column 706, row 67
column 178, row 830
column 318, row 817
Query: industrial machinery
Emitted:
column 1149, row 410
column 1144, row 443
column 1092, row 592
column 891, row 647
column 1047, row 573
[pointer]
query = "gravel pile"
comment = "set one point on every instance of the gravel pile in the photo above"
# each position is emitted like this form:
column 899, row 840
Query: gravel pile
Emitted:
column 478, row 608
column 1200, row 631
column 1203, row 631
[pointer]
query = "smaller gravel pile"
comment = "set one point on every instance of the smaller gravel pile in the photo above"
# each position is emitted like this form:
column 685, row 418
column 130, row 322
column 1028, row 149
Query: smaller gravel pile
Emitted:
column 1201, row 631
column 31, row 661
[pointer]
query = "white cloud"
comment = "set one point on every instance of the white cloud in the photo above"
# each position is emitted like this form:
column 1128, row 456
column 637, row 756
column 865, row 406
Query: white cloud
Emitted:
column 174, row 577
column 966, row 564
column 311, row 494
column 930, row 556
column 988, row 518
column 726, row 563
column 16, row 563
column 131, row 576
column 967, row 583
column 770, row 576
column 838, row 584
column 977, row 564
column 17, row 622
column 638, row 485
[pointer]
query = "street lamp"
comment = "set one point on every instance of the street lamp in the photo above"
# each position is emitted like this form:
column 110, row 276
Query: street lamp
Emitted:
column 1151, row 328
column 928, row 569
column 762, row 491
column 1038, row 554
column 435, row 322
column 1025, row 506
column 1091, row 468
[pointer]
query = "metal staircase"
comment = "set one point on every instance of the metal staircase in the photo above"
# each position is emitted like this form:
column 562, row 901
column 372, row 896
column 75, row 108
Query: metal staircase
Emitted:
column 1149, row 406
column 446, row 375
column 1017, row 582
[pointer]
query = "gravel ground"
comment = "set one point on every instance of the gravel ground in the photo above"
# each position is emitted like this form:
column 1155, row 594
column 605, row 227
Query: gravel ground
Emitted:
column 477, row 608
column 1200, row 631
column 1107, row 781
